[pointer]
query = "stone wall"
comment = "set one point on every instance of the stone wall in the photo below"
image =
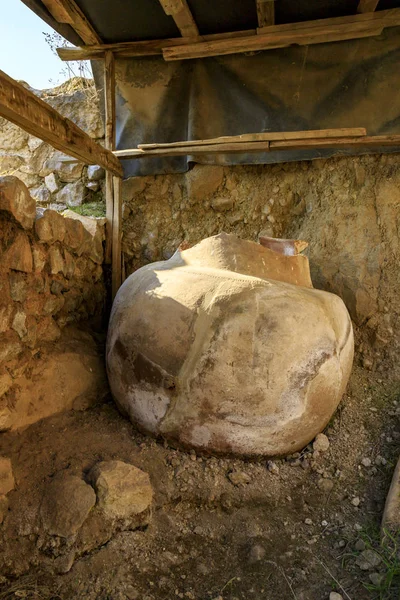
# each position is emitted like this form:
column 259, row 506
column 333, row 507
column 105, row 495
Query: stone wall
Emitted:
column 51, row 278
column 53, row 180
column 346, row 208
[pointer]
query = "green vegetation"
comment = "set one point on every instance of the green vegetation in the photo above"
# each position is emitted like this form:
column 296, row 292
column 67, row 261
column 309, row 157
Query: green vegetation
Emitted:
column 91, row 209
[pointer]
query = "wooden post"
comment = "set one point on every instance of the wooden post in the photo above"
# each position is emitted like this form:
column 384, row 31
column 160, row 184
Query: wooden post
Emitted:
column 116, row 237
column 109, row 98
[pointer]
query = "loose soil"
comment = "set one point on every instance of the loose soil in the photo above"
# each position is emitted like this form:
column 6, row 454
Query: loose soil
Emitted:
column 276, row 533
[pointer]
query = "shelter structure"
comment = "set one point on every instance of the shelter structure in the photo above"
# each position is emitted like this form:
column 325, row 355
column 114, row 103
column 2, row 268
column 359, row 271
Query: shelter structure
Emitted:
column 166, row 108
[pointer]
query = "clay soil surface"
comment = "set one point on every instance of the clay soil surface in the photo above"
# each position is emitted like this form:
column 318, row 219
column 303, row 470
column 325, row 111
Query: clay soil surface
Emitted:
column 221, row 528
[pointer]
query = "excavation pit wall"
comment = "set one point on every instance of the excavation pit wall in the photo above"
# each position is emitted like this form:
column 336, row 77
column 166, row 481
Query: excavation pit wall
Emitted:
column 347, row 208
column 51, row 286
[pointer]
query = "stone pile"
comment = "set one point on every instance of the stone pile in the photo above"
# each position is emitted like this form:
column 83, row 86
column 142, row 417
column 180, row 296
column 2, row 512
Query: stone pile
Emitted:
column 50, row 276
column 77, row 517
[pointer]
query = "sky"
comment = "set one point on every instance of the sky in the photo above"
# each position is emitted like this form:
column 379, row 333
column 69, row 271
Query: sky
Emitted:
column 24, row 52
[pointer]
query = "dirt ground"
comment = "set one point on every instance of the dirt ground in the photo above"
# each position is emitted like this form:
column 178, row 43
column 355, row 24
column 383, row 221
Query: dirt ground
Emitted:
column 221, row 528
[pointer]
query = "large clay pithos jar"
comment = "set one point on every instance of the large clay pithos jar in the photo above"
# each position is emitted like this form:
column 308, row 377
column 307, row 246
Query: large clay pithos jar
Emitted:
column 226, row 347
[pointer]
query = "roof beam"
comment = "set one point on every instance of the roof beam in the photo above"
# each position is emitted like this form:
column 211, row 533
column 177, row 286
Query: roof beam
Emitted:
column 181, row 14
column 23, row 108
column 265, row 12
column 67, row 11
column 141, row 48
column 365, row 6
column 281, row 36
column 360, row 25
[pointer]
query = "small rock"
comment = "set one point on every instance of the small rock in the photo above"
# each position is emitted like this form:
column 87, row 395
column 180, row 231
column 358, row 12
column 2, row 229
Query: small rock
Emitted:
column 272, row 467
column 355, row 501
column 95, row 173
column 72, row 194
column 93, row 186
column 308, row 521
column 380, row 461
column 359, row 545
column 366, row 462
column 50, row 226
column 238, row 478
column 222, row 204
column 368, row 560
column 122, row 489
column 7, row 482
column 67, row 503
column 367, row 363
column 257, row 553
column 325, row 485
column 41, row 194
column 376, row 578
column 321, row 443
column 335, row 596
column 51, row 183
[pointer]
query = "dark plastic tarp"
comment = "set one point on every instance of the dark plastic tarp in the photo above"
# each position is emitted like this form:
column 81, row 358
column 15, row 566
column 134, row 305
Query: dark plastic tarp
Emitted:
column 343, row 84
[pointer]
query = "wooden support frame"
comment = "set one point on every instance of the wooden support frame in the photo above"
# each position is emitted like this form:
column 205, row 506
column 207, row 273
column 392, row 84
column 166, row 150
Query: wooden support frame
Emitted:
column 281, row 36
column 116, row 273
column 275, row 36
column 181, row 14
column 141, row 48
column 23, row 108
column 67, row 11
column 113, row 184
column 109, row 102
column 265, row 12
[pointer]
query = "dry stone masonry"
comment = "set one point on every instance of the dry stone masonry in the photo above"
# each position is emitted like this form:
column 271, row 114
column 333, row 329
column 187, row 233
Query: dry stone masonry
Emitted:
column 54, row 179
column 51, row 278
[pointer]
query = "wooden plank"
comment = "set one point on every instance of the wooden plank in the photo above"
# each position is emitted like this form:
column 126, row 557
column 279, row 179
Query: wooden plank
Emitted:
column 264, row 137
column 135, row 49
column 265, row 12
column 357, row 27
column 67, row 11
column 116, row 275
column 350, row 142
column 276, row 145
column 383, row 15
column 23, row 108
column 109, row 101
column 232, row 148
column 366, row 6
column 181, row 14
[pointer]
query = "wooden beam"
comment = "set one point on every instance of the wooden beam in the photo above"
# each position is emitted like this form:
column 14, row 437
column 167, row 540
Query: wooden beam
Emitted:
column 266, row 146
column 265, row 12
column 23, row 108
column 67, row 11
column 110, row 118
column 366, row 6
column 181, row 14
column 116, row 274
column 384, row 15
column 332, row 30
column 264, row 137
column 135, row 49
column 373, row 141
